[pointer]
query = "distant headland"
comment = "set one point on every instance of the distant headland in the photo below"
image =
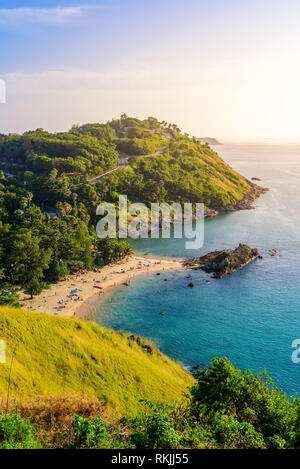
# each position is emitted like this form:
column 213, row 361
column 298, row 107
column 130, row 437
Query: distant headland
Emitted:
column 209, row 140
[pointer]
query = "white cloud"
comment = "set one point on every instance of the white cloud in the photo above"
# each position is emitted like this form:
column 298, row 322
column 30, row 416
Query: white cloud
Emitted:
column 41, row 15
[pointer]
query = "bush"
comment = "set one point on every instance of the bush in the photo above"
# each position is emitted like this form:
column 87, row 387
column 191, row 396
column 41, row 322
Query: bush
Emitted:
column 89, row 433
column 16, row 433
column 230, row 433
column 248, row 398
column 155, row 430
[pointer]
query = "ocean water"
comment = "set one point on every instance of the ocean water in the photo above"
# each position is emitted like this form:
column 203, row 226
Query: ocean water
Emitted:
column 251, row 316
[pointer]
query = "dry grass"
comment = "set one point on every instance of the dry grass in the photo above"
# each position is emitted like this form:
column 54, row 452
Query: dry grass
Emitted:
column 52, row 416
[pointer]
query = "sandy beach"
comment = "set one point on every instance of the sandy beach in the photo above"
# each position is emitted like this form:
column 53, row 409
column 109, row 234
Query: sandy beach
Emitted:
column 75, row 295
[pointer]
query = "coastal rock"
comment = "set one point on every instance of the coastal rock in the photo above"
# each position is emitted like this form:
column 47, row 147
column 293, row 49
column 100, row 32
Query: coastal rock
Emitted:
column 246, row 203
column 209, row 213
column 222, row 263
column 191, row 285
column 273, row 252
column 248, row 200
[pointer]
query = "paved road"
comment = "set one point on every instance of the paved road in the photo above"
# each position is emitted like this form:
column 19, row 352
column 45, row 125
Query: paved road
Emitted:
column 122, row 163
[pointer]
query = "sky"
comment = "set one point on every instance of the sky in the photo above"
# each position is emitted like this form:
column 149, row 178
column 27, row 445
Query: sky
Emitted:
column 228, row 69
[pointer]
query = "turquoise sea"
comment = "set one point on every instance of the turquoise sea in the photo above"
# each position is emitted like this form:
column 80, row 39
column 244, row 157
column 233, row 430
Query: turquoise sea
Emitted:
column 252, row 316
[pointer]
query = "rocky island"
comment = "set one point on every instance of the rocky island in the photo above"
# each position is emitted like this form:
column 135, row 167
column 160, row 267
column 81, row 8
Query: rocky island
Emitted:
column 222, row 263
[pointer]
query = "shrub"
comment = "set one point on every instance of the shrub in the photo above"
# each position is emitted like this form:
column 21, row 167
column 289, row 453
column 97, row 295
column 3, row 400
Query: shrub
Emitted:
column 16, row 433
column 248, row 398
column 230, row 433
column 154, row 429
column 89, row 433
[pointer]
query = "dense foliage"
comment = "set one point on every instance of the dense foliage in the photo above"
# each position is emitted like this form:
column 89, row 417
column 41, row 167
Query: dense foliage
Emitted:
column 36, row 249
column 48, row 197
column 47, row 209
column 16, row 433
column 225, row 408
column 41, row 151
column 186, row 171
column 131, row 135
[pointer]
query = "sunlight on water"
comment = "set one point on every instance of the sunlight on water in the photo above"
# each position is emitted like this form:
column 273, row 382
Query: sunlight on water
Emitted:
column 252, row 316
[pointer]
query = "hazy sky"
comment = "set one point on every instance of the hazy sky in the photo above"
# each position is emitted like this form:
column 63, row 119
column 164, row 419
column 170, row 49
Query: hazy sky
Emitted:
column 223, row 68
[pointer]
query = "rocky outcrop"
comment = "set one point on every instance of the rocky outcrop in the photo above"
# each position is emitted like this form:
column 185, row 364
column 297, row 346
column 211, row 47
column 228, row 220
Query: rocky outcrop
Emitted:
column 209, row 213
column 222, row 263
column 246, row 203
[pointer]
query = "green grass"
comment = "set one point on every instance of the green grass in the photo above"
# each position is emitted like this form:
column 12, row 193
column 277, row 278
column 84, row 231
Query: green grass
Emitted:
column 220, row 257
column 55, row 355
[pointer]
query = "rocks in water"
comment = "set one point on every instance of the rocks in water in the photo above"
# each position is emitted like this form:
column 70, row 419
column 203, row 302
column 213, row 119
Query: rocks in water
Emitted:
column 246, row 203
column 209, row 213
column 191, row 285
column 273, row 252
column 222, row 263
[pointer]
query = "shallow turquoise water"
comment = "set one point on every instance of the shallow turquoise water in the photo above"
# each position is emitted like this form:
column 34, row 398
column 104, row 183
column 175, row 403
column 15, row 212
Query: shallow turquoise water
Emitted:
column 252, row 316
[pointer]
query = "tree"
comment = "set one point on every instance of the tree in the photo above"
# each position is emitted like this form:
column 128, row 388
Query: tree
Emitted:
column 27, row 261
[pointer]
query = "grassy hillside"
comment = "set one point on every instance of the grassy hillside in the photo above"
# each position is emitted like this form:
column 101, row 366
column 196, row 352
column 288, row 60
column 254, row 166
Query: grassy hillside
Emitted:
column 186, row 171
column 56, row 356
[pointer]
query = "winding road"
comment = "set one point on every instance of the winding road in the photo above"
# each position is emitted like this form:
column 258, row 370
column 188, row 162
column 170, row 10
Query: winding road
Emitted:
column 122, row 163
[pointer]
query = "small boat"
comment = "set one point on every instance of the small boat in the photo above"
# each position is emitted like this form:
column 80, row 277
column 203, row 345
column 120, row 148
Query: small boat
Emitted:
column 96, row 286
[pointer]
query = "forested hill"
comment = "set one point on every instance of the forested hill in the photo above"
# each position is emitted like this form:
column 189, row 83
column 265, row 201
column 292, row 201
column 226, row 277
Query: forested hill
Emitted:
column 49, row 191
column 186, row 171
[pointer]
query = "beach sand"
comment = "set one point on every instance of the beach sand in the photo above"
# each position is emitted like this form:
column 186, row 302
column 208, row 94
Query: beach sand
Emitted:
column 75, row 295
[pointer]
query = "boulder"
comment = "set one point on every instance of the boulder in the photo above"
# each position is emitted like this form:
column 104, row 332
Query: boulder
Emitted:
column 222, row 263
